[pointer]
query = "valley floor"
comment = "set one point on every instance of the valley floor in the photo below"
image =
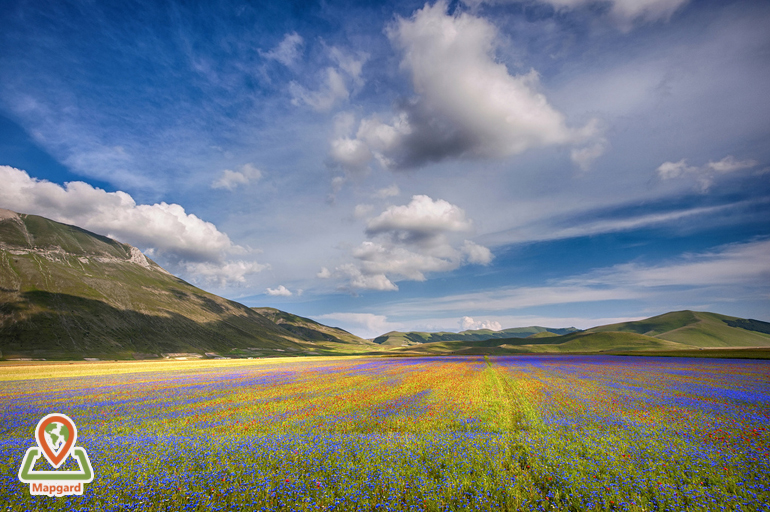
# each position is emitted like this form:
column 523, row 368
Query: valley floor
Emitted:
column 548, row 432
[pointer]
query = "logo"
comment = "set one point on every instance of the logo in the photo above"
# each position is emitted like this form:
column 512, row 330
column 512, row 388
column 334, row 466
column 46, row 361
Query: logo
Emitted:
column 56, row 435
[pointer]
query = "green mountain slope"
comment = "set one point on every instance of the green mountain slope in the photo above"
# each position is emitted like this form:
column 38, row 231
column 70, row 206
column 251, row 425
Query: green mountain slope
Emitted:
column 579, row 342
column 311, row 330
column 401, row 339
column 69, row 293
column 698, row 329
column 607, row 341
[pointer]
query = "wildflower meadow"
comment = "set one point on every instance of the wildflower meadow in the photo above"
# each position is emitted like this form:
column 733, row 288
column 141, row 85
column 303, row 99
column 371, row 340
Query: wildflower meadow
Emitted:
column 574, row 433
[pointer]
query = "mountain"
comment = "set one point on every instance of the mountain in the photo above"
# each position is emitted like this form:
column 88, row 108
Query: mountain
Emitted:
column 698, row 329
column 685, row 333
column 405, row 339
column 578, row 342
column 68, row 293
column 310, row 330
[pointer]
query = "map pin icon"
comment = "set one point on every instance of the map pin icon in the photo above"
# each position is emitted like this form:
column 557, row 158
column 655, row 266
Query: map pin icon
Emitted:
column 56, row 435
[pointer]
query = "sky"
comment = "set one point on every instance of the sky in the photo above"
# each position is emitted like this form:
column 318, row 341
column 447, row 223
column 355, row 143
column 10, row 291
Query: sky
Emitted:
column 403, row 165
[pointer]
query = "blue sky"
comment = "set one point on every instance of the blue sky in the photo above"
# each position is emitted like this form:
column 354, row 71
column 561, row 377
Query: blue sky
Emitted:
column 407, row 165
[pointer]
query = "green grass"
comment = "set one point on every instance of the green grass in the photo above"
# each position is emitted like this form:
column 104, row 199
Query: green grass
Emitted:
column 397, row 339
column 695, row 328
column 544, row 334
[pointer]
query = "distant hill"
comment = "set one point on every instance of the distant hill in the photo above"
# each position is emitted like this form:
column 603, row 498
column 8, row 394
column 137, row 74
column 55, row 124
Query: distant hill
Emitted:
column 311, row 330
column 698, row 329
column 68, row 293
column 579, row 342
column 687, row 332
column 403, row 339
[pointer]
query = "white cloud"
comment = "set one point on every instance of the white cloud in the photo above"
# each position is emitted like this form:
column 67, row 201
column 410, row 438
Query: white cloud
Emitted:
column 368, row 324
column 576, row 222
column 180, row 238
column 705, row 175
column 324, row 273
column 223, row 274
column 383, row 259
column 730, row 164
column 421, row 218
column 350, row 154
column 288, row 50
column 669, row 170
column 231, row 179
column 409, row 241
column 467, row 104
column 331, row 91
column 477, row 254
column 357, row 280
column 335, row 83
column 281, row 291
column 467, row 323
column 352, row 65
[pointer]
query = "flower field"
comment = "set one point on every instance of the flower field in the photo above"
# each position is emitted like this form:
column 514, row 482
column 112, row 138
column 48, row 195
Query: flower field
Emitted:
column 504, row 433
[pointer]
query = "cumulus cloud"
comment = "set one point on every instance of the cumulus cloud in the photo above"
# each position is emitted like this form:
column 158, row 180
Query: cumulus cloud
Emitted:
column 706, row 174
column 281, row 291
column 422, row 219
column 357, row 280
column 408, row 241
column 350, row 154
column 336, row 82
column 230, row 180
column 324, row 273
column 288, row 50
column 182, row 239
column 467, row 323
column 466, row 103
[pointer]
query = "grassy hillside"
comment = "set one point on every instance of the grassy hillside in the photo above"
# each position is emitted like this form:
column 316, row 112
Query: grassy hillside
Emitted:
column 69, row 293
column 544, row 334
column 608, row 341
column 580, row 342
column 311, row 330
column 401, row 339
column 698, row 329
column 679, row 330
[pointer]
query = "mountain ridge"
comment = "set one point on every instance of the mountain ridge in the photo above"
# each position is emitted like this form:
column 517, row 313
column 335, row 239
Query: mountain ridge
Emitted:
column 68, row 293
column 409, row 338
